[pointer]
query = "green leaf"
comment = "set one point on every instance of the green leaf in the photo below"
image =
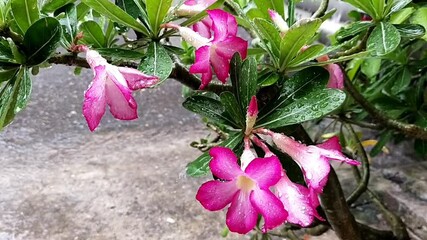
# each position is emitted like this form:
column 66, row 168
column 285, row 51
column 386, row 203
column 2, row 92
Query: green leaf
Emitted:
column 420, row 17
column 410, row 30
column 268, row 78
column 351, row 30
column 157, row 62
column 116, row 14
column 157, row 10
column 119, row 53
column 383, row 40
column 93, row 34
column 82, row 11
column 247, row 82
column 371, row 67
column 69, row 23
column 207, row 107
column 229, row 101
column 299, row 85
column 314, row 105
column 200, row 166
column 6, row 54
column 41, row 40
column 401, row 81
column 235, row 69
column 25, row 13
column 269, row 33
column 53, row 5
column 129, row 6
column 396, row 5
column 7, row 72
column 366, row 6
column 14, row 97
column 276, row 5
column 307, row 55
column 297, row 37
column 401, row 16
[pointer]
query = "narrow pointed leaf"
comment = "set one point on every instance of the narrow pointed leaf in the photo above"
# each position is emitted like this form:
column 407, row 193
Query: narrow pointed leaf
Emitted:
column 270, row 34
column 53, row 5
column 93, row 34
column 309, row 54
column 410, row 30
column 116, row 14
column 231, row 106
column 157, row 10
column 207, row 107
column 297, row 37
column 351, row 30
column 247, row 82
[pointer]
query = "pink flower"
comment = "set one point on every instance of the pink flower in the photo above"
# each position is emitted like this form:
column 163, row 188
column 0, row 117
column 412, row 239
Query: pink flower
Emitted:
column 251, row 115
column 193, row 7
column 313, row 160
column 336, row 75
column 204, row 27
column 247, row 191
column 216, row 52
column 297, row 202
column 111, row 85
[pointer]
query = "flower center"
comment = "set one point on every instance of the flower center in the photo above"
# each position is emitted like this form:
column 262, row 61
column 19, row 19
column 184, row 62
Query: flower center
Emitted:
column 245, row 184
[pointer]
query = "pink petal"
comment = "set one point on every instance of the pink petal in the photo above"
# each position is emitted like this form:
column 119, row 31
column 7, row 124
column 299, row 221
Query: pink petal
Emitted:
column 190, row 2
column 119, row 96
column 216, row 195
column 297, row 201
column 241, row 216
column 336, row 76
column 332, row 143
column 206, row 79
column 253, row 107
column 221, row 66
column 265, row 171
column 316, row 169
column 203, row 27
column 270, row 207
column 136, row 79
column 231, row 45
column 94, row 102
column 202, row 65
column 223, row 24
column 224, row 163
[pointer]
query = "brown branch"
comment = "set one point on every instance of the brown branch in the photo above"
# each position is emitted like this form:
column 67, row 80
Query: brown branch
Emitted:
column 410, row 130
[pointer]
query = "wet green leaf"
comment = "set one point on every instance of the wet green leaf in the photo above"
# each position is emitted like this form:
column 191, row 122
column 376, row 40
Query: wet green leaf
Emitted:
column 352, row 29
column 41, row 40
column 410, row 30
column 156, row 11
column 25, row 13
column 383, row 40
column 231, row 105
column 157, row 62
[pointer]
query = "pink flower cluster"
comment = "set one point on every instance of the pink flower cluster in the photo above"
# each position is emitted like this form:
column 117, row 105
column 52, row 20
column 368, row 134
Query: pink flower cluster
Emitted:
column 111, row 86
column 216, row 42
column 260, row 186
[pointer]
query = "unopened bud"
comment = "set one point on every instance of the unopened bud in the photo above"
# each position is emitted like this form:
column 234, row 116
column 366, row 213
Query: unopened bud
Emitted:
column 278, row 21
column 251, row 115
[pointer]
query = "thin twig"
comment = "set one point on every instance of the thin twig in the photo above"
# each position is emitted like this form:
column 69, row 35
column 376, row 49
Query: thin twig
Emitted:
column 321, row 10
column 410, row 130
column 364, row 179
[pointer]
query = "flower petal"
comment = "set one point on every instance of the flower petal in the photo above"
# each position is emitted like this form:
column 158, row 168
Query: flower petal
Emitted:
column 315, row 168
column 241, row 216
column 336, row 76
column 119, row 96
column 215, row 195
column 265, row 171
column 231, row 45
column 270, row 207
column 332, row 150
column 221, row 66
column 203, row 27
column 223, row 24
column 297, row 201
column 95, row 99
column 224, row 163
column 201, row 63
column 332, row 143
column 136, row 79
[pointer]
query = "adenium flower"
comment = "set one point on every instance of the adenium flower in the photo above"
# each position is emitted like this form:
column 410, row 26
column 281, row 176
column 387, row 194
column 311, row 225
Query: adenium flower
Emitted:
column 246, row 191
column 111, row 86
column 298, row 202
column 216, row 52
column 193, row 7
column 313, row 160
column 251, row 115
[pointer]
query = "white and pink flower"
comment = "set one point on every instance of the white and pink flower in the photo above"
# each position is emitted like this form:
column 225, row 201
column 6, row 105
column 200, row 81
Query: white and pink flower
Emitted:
column 112, row 86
